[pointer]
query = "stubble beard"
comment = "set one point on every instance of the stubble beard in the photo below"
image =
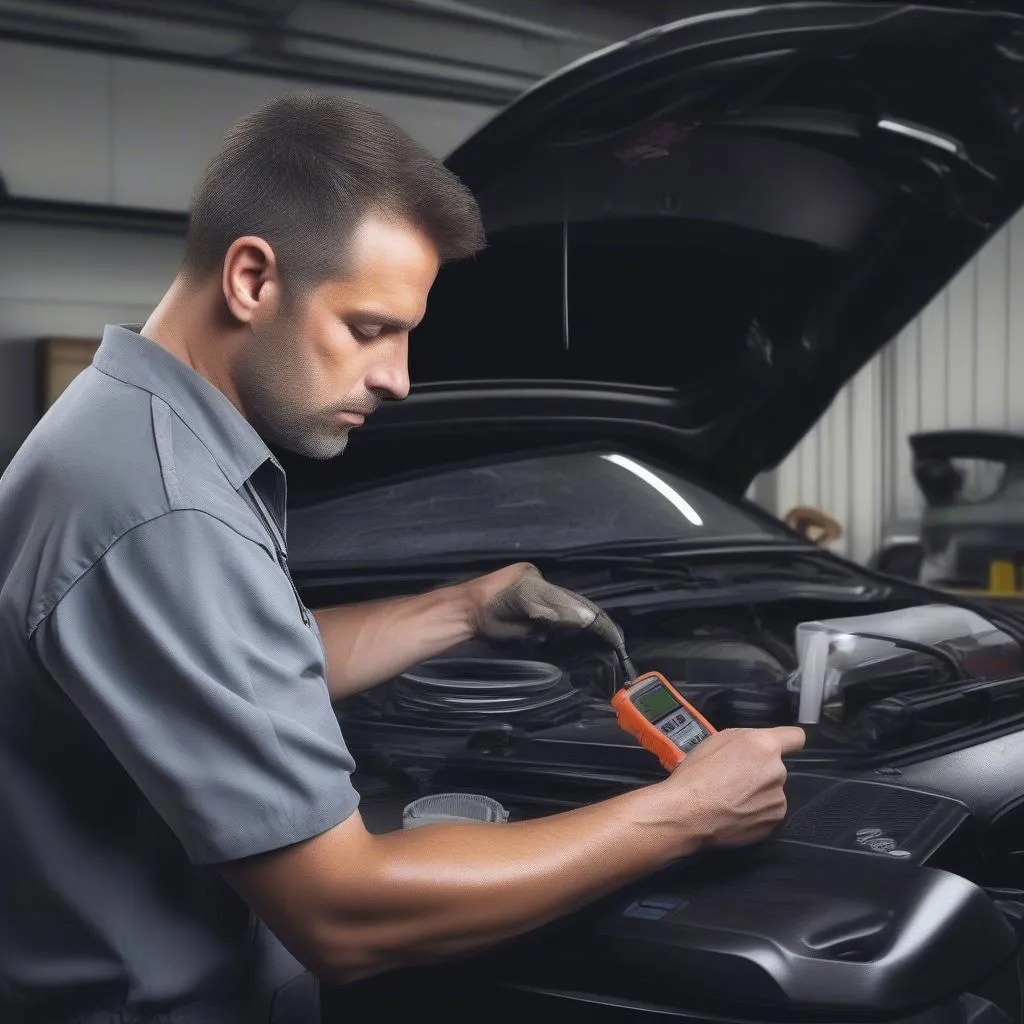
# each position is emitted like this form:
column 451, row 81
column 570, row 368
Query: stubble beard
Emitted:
column 273, row 384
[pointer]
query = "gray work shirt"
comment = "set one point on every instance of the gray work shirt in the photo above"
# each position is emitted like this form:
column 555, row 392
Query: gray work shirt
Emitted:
column 163, row 703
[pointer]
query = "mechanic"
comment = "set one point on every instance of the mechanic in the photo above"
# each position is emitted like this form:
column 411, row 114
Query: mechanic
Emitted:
column 182, row 839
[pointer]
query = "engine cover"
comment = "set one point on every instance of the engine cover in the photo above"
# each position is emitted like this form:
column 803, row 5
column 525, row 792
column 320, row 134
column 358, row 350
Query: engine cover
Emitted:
column 793, row 928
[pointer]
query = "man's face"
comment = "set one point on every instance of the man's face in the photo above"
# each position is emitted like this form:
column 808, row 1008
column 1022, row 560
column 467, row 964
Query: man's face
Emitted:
column 314, row 372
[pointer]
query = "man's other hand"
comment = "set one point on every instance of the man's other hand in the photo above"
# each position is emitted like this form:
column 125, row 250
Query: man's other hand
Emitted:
column 517, row 601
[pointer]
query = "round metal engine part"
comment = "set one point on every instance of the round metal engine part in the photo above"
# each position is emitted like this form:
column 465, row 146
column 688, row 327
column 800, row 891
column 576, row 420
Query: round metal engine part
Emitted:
column 461, row 689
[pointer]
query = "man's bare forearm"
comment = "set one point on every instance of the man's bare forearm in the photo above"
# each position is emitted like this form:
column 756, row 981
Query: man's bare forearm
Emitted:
column 350, row 904
column 366, row 644
column 445, row 890
column 478, row 885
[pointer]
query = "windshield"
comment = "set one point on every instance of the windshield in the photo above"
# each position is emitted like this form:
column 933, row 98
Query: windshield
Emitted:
column 518, row 508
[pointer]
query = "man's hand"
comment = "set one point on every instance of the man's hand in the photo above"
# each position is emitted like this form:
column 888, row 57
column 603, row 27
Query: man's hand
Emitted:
column 517, row 601
column 368, row 643
column 732, row 784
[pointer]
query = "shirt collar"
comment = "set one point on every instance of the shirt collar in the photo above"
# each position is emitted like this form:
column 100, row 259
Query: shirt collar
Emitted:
column 124, row 353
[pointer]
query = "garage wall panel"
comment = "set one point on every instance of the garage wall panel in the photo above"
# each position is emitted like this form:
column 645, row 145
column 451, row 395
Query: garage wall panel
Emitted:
column 992, row 341
column 1014, row 378
column 55, row 266
column 61, row 281
column 85, row 127
column 959, row 364
column 904, row 363
column 166, row 120
column 17, row 362
column 962, row 348
column 54, row 123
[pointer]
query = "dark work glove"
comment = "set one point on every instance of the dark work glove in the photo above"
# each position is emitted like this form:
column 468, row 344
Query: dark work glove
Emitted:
column 530, row 605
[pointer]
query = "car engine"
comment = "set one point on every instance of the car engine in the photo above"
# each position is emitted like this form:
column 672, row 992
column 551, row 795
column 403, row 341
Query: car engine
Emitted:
column 894, row 890
column 547, row 701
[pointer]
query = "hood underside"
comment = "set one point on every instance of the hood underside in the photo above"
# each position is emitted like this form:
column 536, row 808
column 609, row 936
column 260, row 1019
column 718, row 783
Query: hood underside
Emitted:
column 698, row 236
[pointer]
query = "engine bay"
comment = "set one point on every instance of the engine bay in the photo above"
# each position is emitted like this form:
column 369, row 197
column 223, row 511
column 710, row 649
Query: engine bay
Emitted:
column 546, row 702
column 530, row 724
column 895, row 882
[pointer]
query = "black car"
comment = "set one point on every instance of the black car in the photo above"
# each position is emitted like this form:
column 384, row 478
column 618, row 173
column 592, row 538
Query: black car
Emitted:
column 696, row 238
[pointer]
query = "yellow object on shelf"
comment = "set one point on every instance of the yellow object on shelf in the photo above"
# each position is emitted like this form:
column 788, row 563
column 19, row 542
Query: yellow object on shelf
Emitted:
column 1002, row 578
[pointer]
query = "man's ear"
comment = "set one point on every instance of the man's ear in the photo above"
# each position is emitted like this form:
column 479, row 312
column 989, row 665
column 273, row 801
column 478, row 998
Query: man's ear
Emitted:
column 250, row 280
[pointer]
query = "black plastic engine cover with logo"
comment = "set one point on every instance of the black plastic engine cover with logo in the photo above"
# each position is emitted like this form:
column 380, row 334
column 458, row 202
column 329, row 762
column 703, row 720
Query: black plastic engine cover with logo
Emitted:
column 790, row 928
column 841, row 917
column 859, row 908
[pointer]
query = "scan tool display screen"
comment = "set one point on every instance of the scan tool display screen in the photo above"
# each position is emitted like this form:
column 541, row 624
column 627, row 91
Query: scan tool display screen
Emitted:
column 660, row 708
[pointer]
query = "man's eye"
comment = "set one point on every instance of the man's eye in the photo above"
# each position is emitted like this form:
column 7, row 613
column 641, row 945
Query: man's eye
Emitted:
column 364, row 332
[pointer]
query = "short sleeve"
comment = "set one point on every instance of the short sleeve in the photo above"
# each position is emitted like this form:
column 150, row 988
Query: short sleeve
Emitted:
column 185, row 649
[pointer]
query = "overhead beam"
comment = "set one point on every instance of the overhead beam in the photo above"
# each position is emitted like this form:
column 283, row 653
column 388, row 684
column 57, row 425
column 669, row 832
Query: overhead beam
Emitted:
column 216, row 39
column 407, row 46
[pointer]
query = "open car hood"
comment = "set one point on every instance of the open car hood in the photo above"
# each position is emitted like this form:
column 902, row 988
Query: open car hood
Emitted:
column 697, row 236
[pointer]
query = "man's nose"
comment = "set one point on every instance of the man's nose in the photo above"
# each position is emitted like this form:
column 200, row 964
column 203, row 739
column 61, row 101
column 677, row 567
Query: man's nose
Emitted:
column 391, row 376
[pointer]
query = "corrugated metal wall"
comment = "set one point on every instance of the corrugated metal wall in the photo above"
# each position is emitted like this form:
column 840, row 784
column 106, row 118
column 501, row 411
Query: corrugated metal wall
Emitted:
column 960, row 364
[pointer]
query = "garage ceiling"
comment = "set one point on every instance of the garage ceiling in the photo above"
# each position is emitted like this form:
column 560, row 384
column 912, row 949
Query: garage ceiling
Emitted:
column 483, row 51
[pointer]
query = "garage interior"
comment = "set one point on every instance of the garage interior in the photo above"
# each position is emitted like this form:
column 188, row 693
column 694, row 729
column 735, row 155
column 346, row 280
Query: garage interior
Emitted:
column 895, row 893
column 110, row 109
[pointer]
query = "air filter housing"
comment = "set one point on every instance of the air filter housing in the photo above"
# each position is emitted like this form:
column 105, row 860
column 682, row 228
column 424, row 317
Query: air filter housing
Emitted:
column 453, row 691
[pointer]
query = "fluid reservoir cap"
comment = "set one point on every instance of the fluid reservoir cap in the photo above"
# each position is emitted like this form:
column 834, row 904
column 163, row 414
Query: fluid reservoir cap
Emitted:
column 452, row 807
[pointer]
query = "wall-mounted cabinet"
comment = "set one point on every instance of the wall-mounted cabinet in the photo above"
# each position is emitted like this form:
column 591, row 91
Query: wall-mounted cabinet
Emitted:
column 59, row 361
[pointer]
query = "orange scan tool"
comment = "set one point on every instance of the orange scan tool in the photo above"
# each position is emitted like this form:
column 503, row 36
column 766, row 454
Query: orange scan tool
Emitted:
column 652, row 710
